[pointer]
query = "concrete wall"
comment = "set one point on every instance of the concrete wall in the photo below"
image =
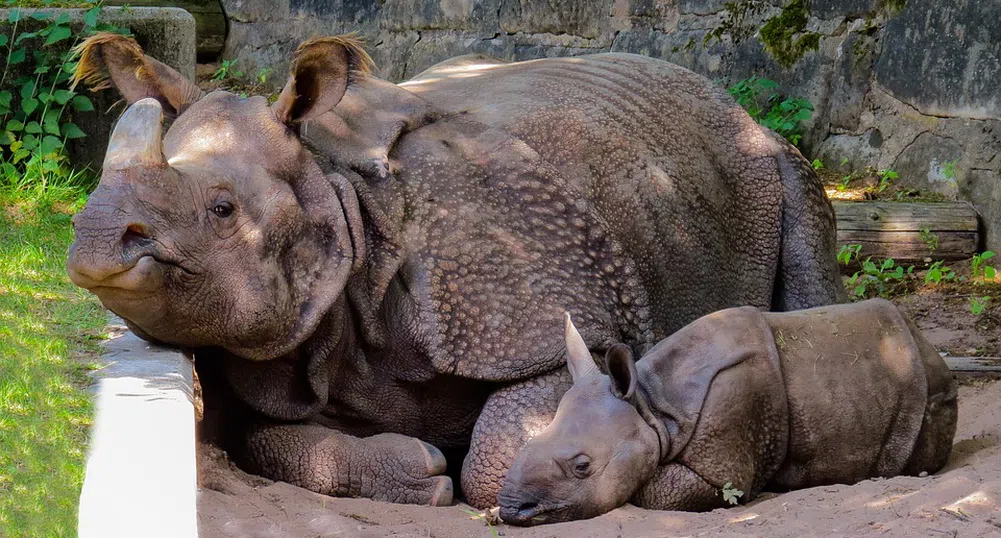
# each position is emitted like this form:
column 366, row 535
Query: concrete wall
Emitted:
column 905, row 84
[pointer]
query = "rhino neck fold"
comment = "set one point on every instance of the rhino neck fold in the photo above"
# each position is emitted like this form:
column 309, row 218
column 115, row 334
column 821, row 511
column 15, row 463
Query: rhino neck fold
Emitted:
column 641, row 401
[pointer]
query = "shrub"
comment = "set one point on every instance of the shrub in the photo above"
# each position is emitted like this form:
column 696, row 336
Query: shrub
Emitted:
column 769, row 107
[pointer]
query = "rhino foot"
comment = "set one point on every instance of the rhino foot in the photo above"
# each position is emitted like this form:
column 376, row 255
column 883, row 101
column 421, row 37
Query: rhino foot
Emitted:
column 385, row 467
column 406, row 470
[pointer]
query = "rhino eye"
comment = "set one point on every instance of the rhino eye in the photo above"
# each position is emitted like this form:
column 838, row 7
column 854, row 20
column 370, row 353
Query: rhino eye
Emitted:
column 581, row 465
column 223, row 209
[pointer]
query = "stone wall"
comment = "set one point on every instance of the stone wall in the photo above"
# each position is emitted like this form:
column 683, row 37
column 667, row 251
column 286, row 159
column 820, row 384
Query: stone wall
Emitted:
column 904, row 84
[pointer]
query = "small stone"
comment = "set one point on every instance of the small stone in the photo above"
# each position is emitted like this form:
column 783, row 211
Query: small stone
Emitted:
column 923, row 474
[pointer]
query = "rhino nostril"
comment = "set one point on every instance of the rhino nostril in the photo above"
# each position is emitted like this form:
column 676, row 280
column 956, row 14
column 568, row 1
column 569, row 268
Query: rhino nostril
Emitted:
column 526, row 506
column 135, row 234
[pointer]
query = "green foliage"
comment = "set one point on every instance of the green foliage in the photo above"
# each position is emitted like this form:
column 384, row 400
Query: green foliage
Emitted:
column 49, row 331
column 930, row 239
column 784, row 35
column 36, row 108
column 848, row 253
column 845, row 181
column 227, row 69
column 980, row 269
column 763, row 101
column 949, row 170
column 262, row 75
column 877, row 279
column 885, row 177
column 979, row 304
column 817, row 164
column 937, row 274
column 731, row 494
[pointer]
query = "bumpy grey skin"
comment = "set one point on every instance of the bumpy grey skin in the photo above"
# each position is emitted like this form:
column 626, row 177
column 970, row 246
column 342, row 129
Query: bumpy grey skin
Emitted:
column 760, row 400
column 371, row 258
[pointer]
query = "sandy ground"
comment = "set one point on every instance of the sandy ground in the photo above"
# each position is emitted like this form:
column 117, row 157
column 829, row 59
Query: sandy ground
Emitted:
column 962, row 500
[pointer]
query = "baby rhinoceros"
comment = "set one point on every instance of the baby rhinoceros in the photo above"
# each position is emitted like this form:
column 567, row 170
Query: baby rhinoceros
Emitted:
column 759, row 400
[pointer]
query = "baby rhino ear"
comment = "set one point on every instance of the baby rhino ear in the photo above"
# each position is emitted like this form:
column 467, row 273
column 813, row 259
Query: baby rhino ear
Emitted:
column 622, row 370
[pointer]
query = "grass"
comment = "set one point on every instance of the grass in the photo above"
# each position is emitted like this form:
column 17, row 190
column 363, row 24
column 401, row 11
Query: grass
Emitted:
column 49, row 333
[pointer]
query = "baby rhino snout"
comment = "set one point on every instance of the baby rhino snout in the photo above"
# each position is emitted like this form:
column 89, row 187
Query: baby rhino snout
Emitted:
column 523, row 508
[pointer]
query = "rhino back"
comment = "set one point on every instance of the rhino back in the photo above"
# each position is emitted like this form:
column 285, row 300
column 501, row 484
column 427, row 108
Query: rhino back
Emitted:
column 630, row 191
column 857, row 389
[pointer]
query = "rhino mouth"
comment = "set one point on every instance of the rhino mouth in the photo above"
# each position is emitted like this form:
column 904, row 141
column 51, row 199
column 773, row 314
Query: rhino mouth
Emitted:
column 141, row 273
column 530, row 513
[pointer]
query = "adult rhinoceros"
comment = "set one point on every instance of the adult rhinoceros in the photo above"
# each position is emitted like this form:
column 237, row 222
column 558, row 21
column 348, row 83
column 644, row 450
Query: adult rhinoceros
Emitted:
column 406, row 275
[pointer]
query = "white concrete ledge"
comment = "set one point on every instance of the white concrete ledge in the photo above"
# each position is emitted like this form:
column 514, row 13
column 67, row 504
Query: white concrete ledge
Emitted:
column 141, row 474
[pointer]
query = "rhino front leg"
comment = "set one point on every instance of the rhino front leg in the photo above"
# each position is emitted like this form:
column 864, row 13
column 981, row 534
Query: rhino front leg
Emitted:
column 676, row 487
column 385, row 467
column 511, row 416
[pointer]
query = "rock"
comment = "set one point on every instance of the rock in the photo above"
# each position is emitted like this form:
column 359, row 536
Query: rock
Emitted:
column 947, row 64
column 929, row 162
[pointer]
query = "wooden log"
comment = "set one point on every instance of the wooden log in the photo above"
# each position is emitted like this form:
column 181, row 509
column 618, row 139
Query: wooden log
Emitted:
column 974, row 366
column 210, row 22
column 906, row 231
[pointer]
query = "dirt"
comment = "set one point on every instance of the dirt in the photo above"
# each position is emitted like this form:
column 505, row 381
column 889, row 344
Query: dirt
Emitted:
column 962, row 500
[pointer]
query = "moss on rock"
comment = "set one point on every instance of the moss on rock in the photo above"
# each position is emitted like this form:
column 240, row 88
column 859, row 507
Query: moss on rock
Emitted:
column 784, row 35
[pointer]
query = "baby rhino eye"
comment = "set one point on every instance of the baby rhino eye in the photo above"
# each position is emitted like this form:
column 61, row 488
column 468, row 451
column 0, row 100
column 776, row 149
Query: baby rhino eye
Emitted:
column 223, row 209
column 581, row 465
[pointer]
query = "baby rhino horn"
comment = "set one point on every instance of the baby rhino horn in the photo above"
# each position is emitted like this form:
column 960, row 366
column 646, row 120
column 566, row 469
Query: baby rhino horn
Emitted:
column 137, row 138
column 579, row 359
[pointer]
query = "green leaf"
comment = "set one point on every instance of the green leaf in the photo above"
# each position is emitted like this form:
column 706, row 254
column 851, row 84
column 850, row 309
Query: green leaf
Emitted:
column 28, row 90
column 33, row 127
column 14, row 15
column 29, row 105
column 25, row 35
column 70, row 130
column 90, row 17
column 5, row 97
column 14, row 125
column 62, row 96
column 58, row 33
column 44, row 97
column 989, row 273
column 50, row 165
column 50, row 144
column 30, row 142
column 82, row 104
column 52, row 127
column 20, row 154
column 988, row 254
column 40, row 15
column 3, row 40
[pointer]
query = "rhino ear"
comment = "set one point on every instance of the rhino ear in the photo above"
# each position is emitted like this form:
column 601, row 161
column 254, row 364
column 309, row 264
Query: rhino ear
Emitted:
column 622, row 370
column 579, row 359
column 108, row 59
column 320, row 73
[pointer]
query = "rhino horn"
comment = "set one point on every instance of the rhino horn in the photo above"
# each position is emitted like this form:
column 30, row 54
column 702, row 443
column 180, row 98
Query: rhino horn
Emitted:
column 137, row 138
column 579, row 359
